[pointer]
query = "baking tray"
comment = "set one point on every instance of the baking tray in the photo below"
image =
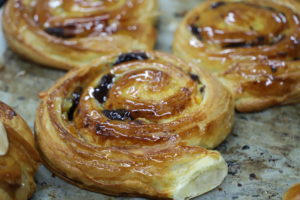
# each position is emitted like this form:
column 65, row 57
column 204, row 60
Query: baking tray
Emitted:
column 263, row 150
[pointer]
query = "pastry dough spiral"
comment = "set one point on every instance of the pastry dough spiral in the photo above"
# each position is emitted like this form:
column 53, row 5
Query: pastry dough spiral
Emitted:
column 18, row 159
column 132, row 124
column 70, row 33
column 252, row 46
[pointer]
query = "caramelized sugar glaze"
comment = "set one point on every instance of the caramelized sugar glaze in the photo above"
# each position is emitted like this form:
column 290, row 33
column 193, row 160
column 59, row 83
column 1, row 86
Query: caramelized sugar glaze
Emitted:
column 70, row 33
column 124, row 124
column 252, row 46
column 19, row 164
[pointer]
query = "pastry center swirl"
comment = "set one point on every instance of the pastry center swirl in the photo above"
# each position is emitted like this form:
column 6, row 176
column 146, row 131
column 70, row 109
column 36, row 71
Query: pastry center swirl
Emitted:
column 68, row 19
column 150, row 93
column 146, row 92
column 244, row 24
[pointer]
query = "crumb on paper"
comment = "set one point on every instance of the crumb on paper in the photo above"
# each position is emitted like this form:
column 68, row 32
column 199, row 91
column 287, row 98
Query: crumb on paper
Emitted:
column 52, row 195
column 21, row 73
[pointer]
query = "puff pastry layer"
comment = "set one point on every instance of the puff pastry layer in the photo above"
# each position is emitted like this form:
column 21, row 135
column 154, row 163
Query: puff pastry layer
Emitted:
column 131, row 125
column 70, row 33
column 252, row 46
column 18, row 159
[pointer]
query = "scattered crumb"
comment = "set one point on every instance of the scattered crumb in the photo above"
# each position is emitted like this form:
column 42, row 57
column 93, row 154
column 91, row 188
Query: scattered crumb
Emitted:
column 252, row 176
column 246, row 147
column 21, row 73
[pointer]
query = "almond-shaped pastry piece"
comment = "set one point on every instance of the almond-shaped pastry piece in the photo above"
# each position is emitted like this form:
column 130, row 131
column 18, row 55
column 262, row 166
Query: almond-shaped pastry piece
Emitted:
column 136, row 124
column 18, row 157
column 70, row 33
column 251, row 46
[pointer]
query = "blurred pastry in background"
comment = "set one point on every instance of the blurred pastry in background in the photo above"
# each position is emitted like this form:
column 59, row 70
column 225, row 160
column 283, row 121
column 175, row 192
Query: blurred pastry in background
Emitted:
column 67, row 34
column 251, row 46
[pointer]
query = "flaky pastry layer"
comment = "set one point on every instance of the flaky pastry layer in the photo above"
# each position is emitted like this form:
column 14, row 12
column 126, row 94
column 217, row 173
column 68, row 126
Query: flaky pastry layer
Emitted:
column 20, row 162
column 69, row 34
column 251, row 46
column 132, row 125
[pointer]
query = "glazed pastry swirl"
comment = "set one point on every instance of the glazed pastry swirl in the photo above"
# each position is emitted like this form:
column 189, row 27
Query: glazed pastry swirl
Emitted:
column 252, row 46
column 70, row 33
column 129, row 124
column 19, row 160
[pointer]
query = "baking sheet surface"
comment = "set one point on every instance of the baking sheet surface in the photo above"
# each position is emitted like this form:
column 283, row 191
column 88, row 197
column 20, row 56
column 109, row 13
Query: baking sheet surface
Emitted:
column 263, row 151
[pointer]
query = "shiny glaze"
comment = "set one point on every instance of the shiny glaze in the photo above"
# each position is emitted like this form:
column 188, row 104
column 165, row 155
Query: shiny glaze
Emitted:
column 154, row 119
column 67, row 34
column 85, row 18
column 293, row 193
column 249, row 29
column 21, row 161
column 152, row 93
column 161, row 98
column 252, row 44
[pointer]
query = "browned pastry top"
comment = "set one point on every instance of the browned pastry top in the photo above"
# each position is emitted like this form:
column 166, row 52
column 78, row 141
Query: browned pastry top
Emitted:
column 251, row 45
column 19, row 164
column 73, row 32
column 130, row 121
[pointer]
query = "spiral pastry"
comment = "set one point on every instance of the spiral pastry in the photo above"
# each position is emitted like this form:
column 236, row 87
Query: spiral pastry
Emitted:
column 252, row 46
column 131, row 125
column 293, row 193
column 18, row 157
column 70, row 33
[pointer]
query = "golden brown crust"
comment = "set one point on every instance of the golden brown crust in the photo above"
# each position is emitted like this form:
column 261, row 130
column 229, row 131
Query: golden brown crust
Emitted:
column 69, row 34
column 252, row 46
column 20, row 163
column 129, row 124
column 293, row 193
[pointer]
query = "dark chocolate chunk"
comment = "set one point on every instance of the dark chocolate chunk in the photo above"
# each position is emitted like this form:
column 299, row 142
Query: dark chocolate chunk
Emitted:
column 2, row 2
column 196, row 32
column 202, row 89
column 259, row 40
column 75, row 101
column 101, row 91
column 61, row 32
column 195, row 77
column 236, row 45
column 120, row 114
column 217, row 4
column 126, row 57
